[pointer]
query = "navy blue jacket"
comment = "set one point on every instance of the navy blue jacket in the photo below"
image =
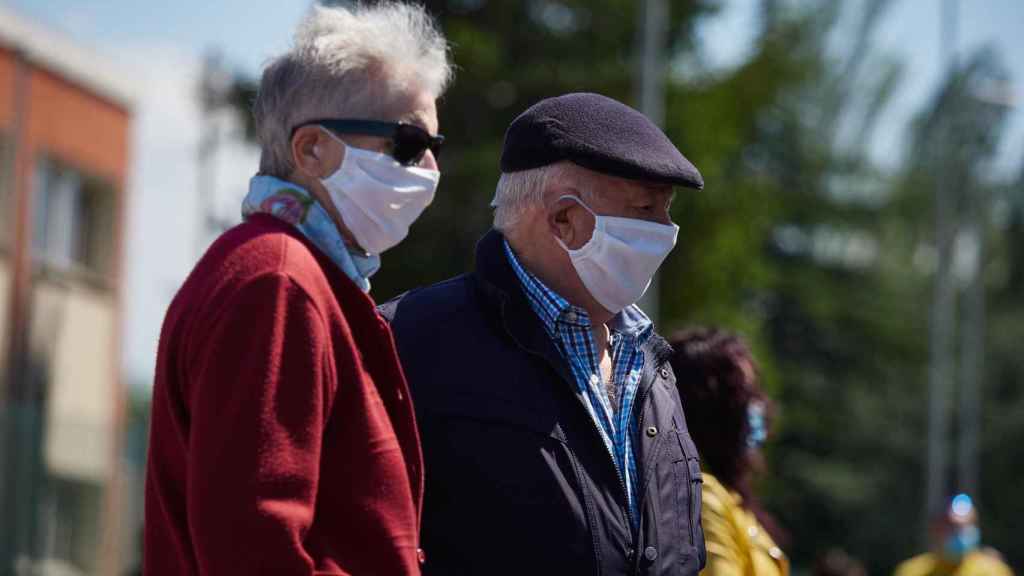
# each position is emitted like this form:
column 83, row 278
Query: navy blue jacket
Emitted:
column 518, row 480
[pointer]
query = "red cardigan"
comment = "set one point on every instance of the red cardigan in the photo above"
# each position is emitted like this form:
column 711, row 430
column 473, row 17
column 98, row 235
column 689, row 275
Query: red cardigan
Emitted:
column 283, row 439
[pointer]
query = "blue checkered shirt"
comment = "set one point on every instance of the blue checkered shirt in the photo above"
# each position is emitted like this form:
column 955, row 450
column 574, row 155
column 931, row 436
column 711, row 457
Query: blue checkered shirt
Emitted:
column 569, row 326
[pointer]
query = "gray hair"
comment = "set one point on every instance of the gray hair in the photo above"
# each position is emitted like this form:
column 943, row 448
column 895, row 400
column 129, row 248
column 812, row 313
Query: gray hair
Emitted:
column 347, row 62
column 518, row 192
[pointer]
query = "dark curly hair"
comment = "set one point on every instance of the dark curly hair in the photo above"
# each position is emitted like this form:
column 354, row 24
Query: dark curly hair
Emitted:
column 717, row 379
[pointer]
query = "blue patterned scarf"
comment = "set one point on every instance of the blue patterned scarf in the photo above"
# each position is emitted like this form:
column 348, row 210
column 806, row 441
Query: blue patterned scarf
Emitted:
column 294, row 205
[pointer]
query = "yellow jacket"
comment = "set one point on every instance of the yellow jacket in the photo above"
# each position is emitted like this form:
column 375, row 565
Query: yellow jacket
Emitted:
column 974, row 564
column 737, row 544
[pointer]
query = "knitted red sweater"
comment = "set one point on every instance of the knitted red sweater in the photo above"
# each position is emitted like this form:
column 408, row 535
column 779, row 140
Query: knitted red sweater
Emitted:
column 283, row 439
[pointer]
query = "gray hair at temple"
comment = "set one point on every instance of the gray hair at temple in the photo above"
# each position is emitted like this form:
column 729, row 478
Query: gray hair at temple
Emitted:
column 518, row 192
column 350, row 62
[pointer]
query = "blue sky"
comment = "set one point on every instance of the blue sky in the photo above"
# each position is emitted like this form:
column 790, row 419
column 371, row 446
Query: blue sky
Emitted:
column 248, row 32
column 159, row 44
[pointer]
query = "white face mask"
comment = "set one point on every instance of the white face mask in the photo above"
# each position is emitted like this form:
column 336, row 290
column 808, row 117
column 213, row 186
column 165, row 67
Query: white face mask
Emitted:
column 377, row 197
column 617, row 263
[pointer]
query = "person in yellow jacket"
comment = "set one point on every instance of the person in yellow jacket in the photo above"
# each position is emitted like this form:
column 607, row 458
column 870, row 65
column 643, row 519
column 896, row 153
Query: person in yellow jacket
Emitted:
column 956, row 550
column 727, row 414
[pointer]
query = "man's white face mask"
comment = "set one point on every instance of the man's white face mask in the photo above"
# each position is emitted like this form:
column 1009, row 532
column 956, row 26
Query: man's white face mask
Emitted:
column 617, row 263
column 377, row 197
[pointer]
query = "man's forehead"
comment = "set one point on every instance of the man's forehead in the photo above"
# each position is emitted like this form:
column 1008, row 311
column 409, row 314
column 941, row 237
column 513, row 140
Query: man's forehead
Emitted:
column 633, row 189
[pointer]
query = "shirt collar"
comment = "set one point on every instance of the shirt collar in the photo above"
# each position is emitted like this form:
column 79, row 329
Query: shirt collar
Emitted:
column 553, row 309
column 633, row 323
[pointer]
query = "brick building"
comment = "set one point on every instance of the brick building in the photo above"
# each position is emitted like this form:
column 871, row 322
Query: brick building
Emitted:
column 65, row 120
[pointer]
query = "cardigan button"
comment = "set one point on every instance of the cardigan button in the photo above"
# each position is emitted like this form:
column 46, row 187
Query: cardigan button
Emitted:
column 421, row 556
column 651, row 553
column 652, row 431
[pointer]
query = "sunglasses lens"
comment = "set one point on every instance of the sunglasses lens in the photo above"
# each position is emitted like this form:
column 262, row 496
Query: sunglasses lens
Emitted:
column 411, row 144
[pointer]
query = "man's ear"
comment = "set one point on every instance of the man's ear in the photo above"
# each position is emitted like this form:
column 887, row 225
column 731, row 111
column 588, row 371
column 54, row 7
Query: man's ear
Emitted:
column 560, row 220
column 308, row 151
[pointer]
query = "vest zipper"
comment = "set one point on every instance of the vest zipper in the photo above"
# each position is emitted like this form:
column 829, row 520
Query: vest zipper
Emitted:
column 628, row 513
column 622, row 483
column 618, row 473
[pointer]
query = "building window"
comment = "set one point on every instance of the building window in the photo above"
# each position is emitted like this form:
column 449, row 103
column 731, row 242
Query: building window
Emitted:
column 73, row 225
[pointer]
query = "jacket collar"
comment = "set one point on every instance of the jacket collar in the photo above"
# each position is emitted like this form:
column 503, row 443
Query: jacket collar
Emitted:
column 494, row 269
column 502, row 291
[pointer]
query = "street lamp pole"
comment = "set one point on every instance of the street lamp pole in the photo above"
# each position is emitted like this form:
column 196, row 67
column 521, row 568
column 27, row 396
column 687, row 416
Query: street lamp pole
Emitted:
column 650, row 92
column 940, row 365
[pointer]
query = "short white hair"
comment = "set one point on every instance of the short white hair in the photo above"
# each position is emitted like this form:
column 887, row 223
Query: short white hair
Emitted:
column 347, row 62
column 518, row 192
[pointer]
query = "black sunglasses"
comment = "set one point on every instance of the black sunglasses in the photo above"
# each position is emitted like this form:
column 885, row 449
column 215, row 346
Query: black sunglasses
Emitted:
column 410, row 141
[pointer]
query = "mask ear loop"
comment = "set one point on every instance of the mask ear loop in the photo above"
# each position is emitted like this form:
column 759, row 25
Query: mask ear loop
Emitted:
column 597, row 219
column 344, row 147
column 331, row 135
column 579, row 201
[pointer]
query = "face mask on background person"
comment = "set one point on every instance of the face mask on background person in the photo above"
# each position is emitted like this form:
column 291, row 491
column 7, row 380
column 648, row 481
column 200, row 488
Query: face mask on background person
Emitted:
column 758, row 427
column 377, row 197
column 617, row 263
column 962, row 541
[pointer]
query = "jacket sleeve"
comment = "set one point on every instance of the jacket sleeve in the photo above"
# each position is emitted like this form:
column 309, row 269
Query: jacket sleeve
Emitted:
column 725, row 551
column 258, row 398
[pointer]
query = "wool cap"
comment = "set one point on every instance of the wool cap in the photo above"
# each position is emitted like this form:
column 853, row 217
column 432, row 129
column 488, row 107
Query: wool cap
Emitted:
column 597, row 133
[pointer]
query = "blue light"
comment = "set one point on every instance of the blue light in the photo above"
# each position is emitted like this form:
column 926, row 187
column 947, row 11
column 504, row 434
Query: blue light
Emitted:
column 962, row 505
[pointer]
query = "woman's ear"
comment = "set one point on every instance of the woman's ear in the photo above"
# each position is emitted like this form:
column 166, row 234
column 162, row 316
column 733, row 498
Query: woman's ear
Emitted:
column 309, row 153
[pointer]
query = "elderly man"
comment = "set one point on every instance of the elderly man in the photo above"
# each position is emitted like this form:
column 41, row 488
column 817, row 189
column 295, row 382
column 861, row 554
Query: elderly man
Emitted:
column 552, row 429
column 283, row 440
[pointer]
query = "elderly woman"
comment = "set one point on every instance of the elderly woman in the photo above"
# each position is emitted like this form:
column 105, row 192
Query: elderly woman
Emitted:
column 727, row 413
column 283, row 439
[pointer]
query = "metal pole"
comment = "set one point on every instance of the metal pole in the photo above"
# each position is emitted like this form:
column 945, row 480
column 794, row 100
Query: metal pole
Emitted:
column 940, row 351
column 651, row 85
column 972, row 343
column 972, row 350
column 650, row 92
column 941, row 328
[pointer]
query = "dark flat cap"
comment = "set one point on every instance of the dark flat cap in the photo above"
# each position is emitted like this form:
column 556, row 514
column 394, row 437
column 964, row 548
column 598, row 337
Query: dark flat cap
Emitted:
column 598, row 133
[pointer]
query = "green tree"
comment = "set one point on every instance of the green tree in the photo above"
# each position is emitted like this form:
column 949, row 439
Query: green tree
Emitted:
column 794, row 246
